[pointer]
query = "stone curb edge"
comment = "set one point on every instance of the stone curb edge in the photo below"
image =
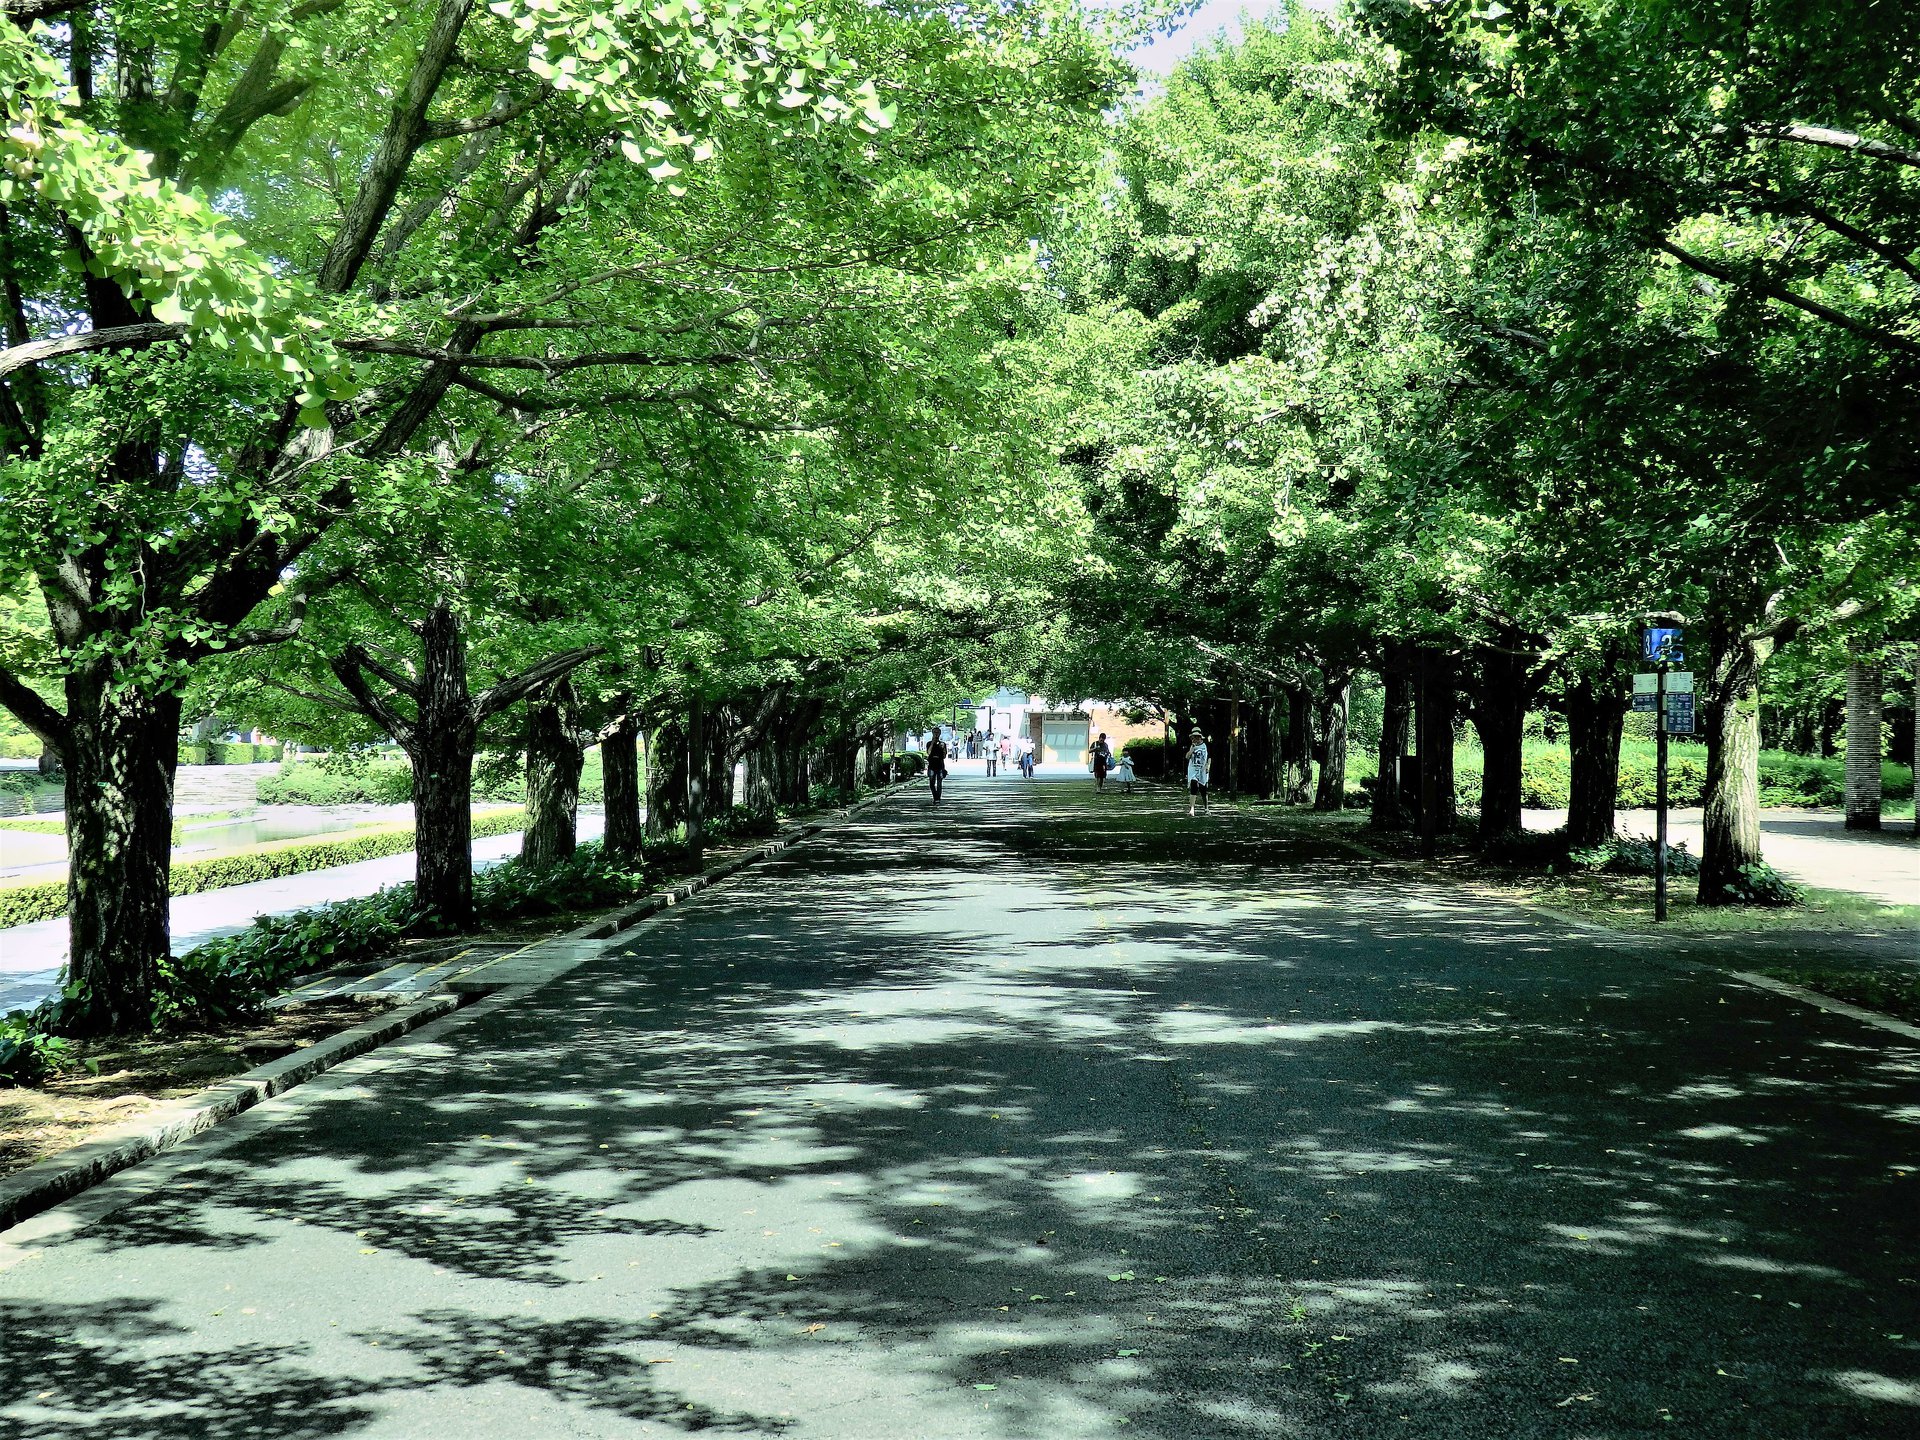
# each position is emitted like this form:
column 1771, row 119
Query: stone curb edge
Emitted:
column 46, row 1183
column 1640, row 939
column 60, row 1177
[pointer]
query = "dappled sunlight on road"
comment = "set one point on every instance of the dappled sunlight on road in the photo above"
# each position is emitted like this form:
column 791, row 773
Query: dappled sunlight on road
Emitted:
column 1094, row 1123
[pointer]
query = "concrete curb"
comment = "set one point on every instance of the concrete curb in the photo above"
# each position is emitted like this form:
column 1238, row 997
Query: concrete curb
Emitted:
column 61, row 1177
column 1653, row 941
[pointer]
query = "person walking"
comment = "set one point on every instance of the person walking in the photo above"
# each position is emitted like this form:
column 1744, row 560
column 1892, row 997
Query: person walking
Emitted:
column 992, row 752
column 1006, row 748
column 1199, row 770
column 1100, row 756
column 1123, row 772
column 936, row 766
column 1026, row 756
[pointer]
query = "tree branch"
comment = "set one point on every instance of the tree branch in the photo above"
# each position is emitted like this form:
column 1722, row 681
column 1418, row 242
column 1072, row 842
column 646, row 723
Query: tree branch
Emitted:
column 1731, row 276
column 496, row 698
column 129, row 336
column 500, row 114
column 350, row 667
column 1831, row 139
column 34, row 712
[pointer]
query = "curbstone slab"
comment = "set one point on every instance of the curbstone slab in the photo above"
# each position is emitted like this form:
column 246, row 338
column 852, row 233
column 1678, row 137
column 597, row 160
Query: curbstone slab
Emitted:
column 59, row 1177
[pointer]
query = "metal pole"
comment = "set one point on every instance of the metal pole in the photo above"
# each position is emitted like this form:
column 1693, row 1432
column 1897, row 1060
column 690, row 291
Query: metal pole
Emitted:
column 1423, row 728
column 1660, row 792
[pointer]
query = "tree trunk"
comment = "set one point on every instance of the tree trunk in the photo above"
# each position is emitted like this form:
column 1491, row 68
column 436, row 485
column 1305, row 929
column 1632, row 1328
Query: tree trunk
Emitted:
column 1396, row 718
column 1863, row 746
column 1916, row 740
column 51, row 766
column 1296, row 778
column 1596, row 715
column 1500, row 716
column 1438, row 703
column 720, row 735
column 1731, row 826
column 441, row 748
column 121, row 752
column 845, row 753
column 872, row 772
column 697, row 774
column 620, row 763
column 1332, row 792
column 666, row 778
column 554, row 759
column 758, row 796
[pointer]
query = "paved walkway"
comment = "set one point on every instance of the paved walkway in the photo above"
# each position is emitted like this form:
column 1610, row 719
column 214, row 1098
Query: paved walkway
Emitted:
column 1811, row 846
column 31, row 955
column 1041, row 1115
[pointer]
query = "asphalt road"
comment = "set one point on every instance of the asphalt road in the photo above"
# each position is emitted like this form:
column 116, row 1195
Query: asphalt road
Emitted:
column 1043, row 1115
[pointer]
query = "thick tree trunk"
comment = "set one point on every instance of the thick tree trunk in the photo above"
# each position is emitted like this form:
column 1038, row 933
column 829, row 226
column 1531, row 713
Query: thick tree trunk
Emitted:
column 1296, row 777
column 1596, row 715
column 620, row 764
column 554, row 759
column 1731, row 826
column 1916, row 740
column 1396, row 720
column 844, row 753
column 872, row 758
column 1500, row 716
column 1332, row 791
column 697, row 777
column 758, row 796
column 1863, row 746
column 720, row 736
column 441, row 748
column 1439, row 705
column 666, row 777
column 119, row 798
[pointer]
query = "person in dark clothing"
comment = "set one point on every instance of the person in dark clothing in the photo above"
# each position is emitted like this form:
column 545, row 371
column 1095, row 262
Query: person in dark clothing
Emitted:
column 1101, row 754
column 936, row 765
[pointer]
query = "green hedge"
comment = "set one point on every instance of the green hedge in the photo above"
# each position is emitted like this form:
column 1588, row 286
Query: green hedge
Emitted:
column 228, row 752
column 1785, row 779
column 390, row 782
column 23, row 904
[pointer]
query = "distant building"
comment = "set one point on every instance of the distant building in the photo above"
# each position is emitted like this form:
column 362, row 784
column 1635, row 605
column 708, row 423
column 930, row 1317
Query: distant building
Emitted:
column 1061, row 729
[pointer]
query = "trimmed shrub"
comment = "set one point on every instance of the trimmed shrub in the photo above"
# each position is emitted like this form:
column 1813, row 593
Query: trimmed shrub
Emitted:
column 192, row 755
column 1152, row 756
column 908, row 763
column 330, row 782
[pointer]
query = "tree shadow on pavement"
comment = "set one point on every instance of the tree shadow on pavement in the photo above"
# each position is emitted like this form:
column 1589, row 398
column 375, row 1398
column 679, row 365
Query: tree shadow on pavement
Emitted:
column 1089, row 1126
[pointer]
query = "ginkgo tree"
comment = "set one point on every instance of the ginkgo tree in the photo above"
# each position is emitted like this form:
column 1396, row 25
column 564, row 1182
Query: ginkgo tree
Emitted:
column 264, row 262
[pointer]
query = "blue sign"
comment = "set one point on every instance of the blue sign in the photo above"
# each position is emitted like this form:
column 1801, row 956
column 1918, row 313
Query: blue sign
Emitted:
column 1643, row 701
column 1663, row 645
column 1680, row 714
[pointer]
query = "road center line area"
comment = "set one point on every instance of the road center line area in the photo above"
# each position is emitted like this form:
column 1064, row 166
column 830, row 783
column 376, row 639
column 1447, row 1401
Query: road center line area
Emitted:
column 1036, row 1113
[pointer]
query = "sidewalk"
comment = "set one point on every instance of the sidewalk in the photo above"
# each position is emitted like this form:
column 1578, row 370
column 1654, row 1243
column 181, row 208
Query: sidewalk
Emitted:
column 31, row 955
column 1811, row 846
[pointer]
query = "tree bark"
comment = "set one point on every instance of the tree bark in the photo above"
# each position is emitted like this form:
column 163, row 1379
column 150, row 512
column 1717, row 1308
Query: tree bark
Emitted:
column 620, row 763
column 1916, row 740
column 1396, row 720
column 121, row 750
column 720, row 743
column 554, row 759
column 1438, row 702
column 844, row 752
column 441, row 745
column 758, row 796
column 1500, row 716
column 1863, row 746
column 666, row 777
column 1332, row 791
column 1296, row 768
column 697, row 776
column 1731, row 826
column 872, row 760
column 1596, row 716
